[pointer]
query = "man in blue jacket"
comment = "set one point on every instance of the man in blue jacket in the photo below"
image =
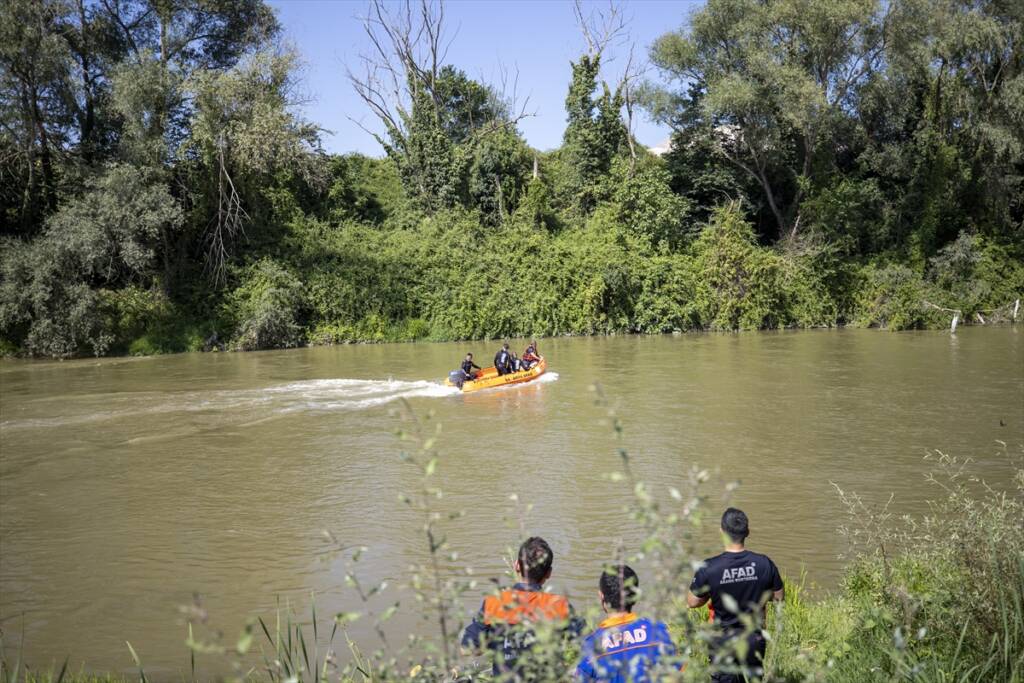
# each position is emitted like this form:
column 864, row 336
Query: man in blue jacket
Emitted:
column 625, row 647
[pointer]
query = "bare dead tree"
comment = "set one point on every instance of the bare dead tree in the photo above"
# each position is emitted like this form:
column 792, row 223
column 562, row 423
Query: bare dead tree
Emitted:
column 600, row 27
column 604, row 28
column 632, row 76
column 227, row 224
column 408, row 48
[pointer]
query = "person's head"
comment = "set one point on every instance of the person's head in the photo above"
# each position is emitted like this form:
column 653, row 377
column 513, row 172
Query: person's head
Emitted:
column 619, row 586
column 735, row 525
column 505, row 346
column 469, row 356
column 535, row 560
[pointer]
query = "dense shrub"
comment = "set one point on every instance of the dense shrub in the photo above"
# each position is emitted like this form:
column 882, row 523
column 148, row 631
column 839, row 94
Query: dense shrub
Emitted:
column 892, row 297
column 266, row 307
column 934, row 598
column 739, row 284
column 106, row 237
column 646, row 206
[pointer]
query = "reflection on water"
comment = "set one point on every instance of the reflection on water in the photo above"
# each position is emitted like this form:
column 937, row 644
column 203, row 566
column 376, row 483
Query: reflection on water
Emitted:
column 128, row 484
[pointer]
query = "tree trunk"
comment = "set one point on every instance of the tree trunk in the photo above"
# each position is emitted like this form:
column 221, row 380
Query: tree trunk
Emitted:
column 87, row 121
column 45, row 161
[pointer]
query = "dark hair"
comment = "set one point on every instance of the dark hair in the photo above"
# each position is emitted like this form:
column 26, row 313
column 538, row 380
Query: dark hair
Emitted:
column 735, row 525
column 469, row 355
column 535, row 559
column 619, row 587
column 505, row 345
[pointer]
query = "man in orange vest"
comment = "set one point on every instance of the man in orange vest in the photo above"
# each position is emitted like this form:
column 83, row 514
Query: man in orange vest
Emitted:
column 530, row 357
column 503, row 623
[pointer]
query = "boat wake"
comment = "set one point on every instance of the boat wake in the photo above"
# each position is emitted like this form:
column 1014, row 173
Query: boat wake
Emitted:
column 244, row 405
column 352, row 394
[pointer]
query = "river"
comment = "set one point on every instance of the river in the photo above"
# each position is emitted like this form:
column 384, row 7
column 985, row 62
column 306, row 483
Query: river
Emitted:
column 127, row 485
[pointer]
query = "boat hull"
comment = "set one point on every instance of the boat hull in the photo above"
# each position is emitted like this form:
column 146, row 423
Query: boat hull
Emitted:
column 488, row 378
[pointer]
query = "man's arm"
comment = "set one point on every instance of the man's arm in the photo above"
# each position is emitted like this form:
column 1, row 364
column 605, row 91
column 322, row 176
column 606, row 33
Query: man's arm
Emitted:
column 778, row 588
column 476, row 633
column 585, row 670
column 575, row 624
column 695, row 601
column 699, row 592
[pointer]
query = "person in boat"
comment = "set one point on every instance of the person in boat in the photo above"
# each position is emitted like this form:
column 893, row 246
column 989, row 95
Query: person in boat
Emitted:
column 625, row 647
column 467, row 368
column 530, row 357
column 503, row 360
column 503, row 625
column 739, row 584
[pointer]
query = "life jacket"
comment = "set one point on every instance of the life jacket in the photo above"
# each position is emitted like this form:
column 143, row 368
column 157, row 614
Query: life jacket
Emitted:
column 513, row 606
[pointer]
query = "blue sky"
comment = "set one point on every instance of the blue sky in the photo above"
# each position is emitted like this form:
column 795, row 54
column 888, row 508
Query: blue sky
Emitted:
column 537, row 37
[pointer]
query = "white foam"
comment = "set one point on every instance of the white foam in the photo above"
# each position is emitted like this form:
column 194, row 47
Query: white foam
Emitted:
column 251, row 405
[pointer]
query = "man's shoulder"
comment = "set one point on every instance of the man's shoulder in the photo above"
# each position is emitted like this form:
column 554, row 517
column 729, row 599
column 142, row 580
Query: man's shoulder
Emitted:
column 654, row 626
column 715, row 559
column 591, row 640
column 760, row 557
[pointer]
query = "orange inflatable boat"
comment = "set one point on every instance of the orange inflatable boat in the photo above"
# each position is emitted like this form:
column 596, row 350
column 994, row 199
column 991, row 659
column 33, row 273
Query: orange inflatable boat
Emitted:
column 489, row 378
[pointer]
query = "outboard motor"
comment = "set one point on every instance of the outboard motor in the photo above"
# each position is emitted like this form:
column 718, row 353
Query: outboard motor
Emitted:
column 456, row 377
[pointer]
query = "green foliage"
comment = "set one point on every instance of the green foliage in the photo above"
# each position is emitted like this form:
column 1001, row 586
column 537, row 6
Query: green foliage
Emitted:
column 646, row 206
column 852, row 113
column 114, row 228
column 851, row 215
column 498, row 174
column 145, row 322
column 535, row 207
column 892, row 297
column 436, row 142
column 942, row 595
column 266, row 307
column 109, row 236
column 594, row 133
column 361, row 189
column 163, row 189
column 738, row 283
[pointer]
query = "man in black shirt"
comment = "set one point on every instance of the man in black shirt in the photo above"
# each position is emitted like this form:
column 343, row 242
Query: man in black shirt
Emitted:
column 739, row 583
column 503, row 360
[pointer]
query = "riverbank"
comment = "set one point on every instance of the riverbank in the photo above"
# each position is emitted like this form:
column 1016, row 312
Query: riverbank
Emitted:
column 362, row 284
column 146, row 323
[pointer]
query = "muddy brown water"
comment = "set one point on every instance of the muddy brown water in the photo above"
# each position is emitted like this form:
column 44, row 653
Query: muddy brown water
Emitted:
column 128, row 485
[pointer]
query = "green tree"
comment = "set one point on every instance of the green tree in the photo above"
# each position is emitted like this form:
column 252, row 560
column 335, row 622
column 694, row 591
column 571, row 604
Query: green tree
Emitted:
column 499, row 174
column 433, row 115
column 244, row 132
column 35, row 67
column 776, row 77
column 106, row 237
column 594, row 133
